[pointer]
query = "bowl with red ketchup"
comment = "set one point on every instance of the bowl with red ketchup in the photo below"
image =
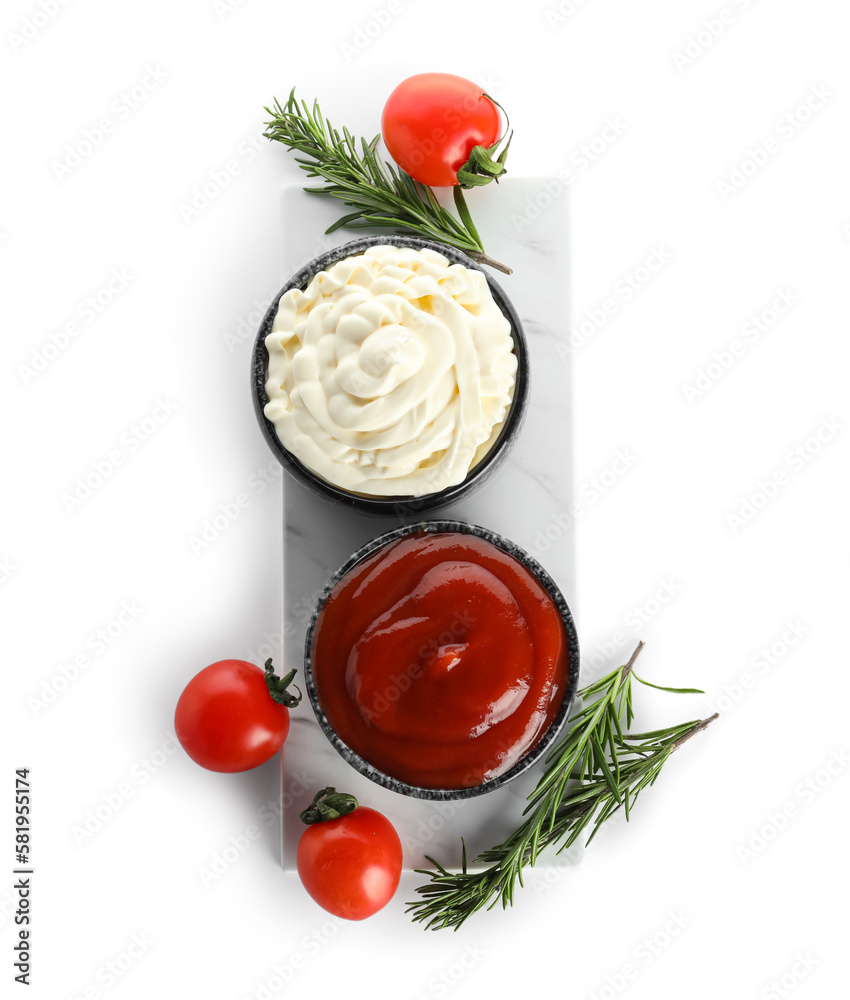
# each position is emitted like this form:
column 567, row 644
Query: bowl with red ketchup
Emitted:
column 442, row 660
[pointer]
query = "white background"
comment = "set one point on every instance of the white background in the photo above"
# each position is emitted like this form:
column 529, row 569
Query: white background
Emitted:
column 673, row 905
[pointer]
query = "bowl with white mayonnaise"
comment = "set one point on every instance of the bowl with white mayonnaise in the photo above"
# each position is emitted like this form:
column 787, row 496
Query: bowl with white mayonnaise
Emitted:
column 390, row 375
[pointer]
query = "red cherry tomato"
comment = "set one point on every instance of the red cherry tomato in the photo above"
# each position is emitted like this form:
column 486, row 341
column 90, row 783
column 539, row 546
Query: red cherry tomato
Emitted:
column 431, row 123
column 351, row 865
column 227, row 718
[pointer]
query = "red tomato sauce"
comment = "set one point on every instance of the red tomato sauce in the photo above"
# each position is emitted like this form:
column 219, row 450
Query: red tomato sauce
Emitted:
column 440, row 660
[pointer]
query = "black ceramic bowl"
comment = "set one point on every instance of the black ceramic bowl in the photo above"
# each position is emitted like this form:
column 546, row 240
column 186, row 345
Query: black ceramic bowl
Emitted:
column 395, row 504
column 545, row 742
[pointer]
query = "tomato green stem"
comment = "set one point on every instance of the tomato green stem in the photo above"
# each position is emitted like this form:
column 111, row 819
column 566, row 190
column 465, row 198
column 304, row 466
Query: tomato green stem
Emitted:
column 487, row 163
column 466, row 218
column 328, row 804
column 463, row 212
column 483, row 258
column 278, row 687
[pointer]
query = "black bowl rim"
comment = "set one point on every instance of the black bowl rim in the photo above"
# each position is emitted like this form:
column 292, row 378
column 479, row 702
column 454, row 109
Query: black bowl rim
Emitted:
column 540, row 748
column 383, row 505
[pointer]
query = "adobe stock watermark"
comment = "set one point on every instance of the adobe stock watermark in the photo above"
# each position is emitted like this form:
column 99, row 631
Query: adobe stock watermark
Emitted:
column 761, row 664
column 7, row 570
column 589, row 493
column 442, row 814
column 562, row 12
column 120, row 109
column 271, row 644
column 796, row 460
column 454, row 973
column 543, row 879
column 750, row 333
column 424, row 146
column 113, row 971
column 778, row 820
column 267, row 815
column 230, row 511
column 486, row 81
column 218, row 180
column 34, row 22
column 707, row 32
column 113, row 800
column 787, row 981
column 223, row 8
column 785, row 128
column 95, row 644
column 641, row 614
column 283, row 973
column 247, row 326
column 634, row 622
column 444, row 649
column 643, row 955
column 579, row 161
column 436, row 478
column 86, row 311
column 625, row 288
column 302, row 610
column 378, row 20
column 374, row 375
column 8, row 906
column 130, row 441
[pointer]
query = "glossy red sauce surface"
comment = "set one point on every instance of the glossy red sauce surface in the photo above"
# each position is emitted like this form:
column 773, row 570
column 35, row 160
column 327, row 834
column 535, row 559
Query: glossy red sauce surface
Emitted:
column 440, row 660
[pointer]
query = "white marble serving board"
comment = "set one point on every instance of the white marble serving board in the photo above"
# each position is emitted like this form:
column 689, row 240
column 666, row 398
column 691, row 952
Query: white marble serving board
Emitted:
column 524, row 497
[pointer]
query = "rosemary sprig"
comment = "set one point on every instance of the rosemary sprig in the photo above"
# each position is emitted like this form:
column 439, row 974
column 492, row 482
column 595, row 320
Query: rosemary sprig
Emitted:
column 590, row 774
column 382, row 195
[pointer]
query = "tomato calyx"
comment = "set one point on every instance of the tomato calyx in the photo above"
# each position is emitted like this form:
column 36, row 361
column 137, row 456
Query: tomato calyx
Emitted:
column 328, row 804
column 278, row 686
column 487, row 163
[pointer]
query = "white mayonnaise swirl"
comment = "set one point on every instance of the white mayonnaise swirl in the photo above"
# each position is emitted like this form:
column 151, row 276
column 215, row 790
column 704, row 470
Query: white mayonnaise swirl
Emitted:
column 391, row 373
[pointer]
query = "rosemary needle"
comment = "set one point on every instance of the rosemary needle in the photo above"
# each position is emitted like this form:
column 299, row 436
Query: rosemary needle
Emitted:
column 590, row 774
column 383, row 196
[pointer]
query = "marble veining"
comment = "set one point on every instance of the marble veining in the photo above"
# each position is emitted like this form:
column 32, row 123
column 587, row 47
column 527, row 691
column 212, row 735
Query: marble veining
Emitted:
column 533, row 486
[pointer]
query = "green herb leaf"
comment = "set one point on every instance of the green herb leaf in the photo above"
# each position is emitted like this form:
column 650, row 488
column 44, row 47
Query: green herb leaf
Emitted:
column 658, row 687
column 591, row 773
column 381, row 196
